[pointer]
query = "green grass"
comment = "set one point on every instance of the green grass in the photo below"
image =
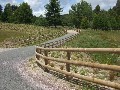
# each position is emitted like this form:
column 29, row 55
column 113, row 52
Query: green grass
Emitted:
column 9, row 34
column 98, row 39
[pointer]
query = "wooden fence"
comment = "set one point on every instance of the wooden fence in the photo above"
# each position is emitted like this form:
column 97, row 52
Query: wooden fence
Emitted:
column 57, row 43
column 68, row 62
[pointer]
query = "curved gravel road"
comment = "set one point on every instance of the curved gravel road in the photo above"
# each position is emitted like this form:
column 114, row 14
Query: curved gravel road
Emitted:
column 10, row 79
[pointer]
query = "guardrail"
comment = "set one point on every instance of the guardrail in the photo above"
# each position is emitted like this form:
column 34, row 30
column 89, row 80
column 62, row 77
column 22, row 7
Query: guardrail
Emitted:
column 68, row 62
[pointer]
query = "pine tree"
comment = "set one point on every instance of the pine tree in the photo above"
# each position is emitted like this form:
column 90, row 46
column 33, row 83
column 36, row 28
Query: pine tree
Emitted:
column 97, row 9
column 0, row 12
column 117, row 7
column 53, row 12
column 7, row 13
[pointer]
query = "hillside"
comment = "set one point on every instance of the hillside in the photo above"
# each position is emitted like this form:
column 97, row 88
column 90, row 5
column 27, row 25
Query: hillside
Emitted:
column 18, row 35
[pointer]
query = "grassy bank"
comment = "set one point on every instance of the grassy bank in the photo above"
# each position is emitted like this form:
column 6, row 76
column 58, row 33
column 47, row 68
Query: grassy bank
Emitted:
column 18, row 35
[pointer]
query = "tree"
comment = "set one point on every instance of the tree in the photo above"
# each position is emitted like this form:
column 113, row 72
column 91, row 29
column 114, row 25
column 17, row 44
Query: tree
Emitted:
column 79, row 11
column 53, row 12
column 113, row 23
column 7, row 13
column 101, row 21
column 97, row 9
column 0, row 12
column 118, row 22
column 41, row 21
column 14, row 8
column 23, row 14
column 34, row 19
column 96, row 22
column 85, row 23
column 117, row 7
column 12, row 17
column 66, row 20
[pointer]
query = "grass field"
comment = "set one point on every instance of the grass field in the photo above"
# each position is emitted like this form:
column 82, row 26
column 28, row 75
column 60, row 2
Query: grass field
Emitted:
column 18, row 35
column 98, row 39
column 8, row 34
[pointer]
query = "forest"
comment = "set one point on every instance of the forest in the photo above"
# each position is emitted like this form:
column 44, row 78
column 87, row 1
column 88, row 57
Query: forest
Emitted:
column 81, row 15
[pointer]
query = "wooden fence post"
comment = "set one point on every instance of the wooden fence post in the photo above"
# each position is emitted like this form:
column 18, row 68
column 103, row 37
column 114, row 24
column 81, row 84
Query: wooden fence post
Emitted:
column 38, row 51
column 46, row 61
column 56, row 44
column 60, row 43
column 68, row 65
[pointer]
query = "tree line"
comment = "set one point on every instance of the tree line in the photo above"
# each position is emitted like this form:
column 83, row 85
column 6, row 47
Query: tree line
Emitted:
column 16, row 14
column 81, row 15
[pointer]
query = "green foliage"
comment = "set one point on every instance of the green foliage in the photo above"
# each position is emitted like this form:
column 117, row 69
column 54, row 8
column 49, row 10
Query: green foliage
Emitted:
column 15, row 14
column 66, row 20
column 0, row 9
column 41, row 21
column 98, row 39
column 97, row 9
column 0, row 12
column 118, row 22
column 23, row 14
column 79, row 11
column 113, row 23
column 101, row 21
column 117, row 7
column 7, row 13
column 53, row 13
column 85, row 23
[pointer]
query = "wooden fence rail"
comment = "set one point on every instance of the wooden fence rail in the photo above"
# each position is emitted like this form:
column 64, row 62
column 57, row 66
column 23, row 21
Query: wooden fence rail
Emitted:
column 68, row 62
column 58, row 42
column 82, row 63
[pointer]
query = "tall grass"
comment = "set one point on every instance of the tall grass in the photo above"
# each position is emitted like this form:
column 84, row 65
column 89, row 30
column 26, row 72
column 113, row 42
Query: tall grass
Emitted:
column 24, row 35
column 98, row 39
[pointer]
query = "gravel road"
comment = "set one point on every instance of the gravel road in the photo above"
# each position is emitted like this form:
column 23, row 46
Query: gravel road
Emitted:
column 10, row 79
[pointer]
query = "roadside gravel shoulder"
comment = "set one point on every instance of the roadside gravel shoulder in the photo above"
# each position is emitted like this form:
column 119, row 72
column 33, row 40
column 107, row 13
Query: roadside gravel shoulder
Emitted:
column 40, row 79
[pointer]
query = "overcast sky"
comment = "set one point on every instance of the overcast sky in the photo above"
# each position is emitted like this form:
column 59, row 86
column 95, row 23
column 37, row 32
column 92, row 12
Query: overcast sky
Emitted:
column 38, row 5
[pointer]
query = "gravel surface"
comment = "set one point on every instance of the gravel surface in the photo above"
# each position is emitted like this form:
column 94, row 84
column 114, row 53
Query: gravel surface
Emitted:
column 5, row 49
column 12, row 77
